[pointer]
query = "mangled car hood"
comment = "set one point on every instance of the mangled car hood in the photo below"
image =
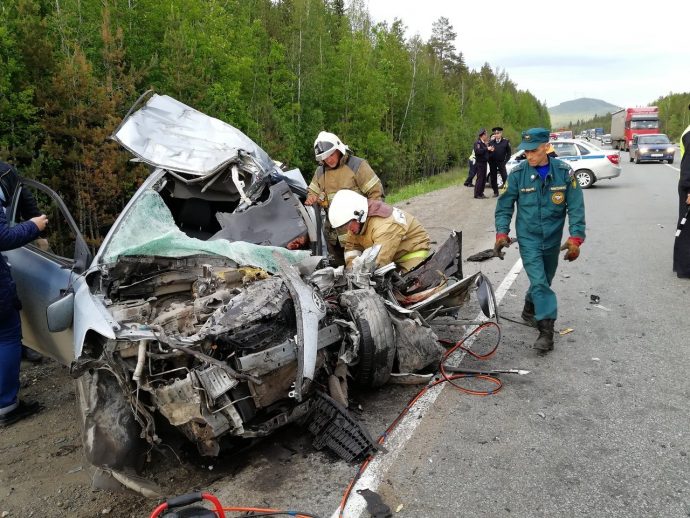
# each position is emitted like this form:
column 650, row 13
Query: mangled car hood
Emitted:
column 168, row 134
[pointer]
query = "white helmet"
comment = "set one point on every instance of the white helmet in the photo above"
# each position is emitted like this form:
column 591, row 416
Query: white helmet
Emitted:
column 346, row 206
column 325, row 144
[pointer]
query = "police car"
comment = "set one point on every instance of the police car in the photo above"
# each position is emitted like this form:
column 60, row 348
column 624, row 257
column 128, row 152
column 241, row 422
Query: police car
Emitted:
column 589, row 162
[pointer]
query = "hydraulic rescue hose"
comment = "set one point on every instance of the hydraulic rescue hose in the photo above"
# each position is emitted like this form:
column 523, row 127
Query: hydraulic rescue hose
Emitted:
column 446, row 377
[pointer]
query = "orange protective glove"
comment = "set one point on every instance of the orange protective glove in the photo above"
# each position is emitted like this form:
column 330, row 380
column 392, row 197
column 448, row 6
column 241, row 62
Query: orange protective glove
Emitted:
column 502, row 241
column 572, row 245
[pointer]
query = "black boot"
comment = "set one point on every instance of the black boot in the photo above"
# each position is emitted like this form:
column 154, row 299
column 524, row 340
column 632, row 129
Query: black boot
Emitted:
column 528, row 313
column 545, row 340
column 30, row 355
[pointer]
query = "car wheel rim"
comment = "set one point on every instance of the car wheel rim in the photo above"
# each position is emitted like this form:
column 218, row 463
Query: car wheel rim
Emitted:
column 583, row 179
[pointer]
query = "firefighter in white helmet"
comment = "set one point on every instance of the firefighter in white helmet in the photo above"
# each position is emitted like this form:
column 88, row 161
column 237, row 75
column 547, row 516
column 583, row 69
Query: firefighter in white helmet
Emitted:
column 403, row 239
column 337, row 170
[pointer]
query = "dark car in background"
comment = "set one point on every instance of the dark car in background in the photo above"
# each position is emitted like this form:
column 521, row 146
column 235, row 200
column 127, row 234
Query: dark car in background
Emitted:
column 652, row 148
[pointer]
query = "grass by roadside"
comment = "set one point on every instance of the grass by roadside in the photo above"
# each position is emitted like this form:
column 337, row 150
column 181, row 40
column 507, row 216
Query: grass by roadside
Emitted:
column 455, row 176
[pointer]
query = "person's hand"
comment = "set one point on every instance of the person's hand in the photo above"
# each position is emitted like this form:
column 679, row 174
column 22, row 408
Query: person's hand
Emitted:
column 297, row 243
column 311, row 199
column 491, row 148
column 40, row 221
column 572, row 245
column 687, row 202
column 502, row 241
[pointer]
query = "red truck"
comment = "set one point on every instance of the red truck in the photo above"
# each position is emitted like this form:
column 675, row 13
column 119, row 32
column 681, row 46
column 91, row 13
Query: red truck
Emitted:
column 628, row 122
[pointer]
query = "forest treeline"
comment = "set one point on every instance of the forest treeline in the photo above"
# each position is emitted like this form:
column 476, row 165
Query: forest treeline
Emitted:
column 279, row 70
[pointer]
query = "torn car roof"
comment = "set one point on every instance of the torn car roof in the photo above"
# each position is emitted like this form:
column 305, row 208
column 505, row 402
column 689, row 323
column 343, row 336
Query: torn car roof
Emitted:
column 169, row 134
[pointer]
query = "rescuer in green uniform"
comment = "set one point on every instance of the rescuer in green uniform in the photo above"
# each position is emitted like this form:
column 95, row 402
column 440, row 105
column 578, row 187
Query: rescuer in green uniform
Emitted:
column 545, row 190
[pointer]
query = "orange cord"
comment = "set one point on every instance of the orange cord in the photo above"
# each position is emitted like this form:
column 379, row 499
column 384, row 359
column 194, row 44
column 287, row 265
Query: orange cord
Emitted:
column 444, row 379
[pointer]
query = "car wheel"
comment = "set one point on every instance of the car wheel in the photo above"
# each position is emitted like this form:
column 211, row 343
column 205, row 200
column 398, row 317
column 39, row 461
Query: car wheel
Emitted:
column 637, row 159
column 376, row 352
column 110, row 432
column 670, row 161
column 585, row 178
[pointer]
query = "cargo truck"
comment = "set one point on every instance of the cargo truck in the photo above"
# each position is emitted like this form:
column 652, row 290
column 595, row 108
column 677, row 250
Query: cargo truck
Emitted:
column 628, row 122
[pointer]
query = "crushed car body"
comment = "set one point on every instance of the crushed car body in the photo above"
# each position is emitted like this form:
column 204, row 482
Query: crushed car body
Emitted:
column 194, row 310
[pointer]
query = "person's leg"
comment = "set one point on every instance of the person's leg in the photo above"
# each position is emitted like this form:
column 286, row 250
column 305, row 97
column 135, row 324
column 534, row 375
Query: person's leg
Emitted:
column 470, row 175
column 493, row 177
column 536, row 264
column 480, row 181
column 10, row 360
column 503, row 172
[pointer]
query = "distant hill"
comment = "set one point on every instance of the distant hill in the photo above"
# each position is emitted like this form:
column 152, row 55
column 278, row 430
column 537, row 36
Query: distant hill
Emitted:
column 579, row 109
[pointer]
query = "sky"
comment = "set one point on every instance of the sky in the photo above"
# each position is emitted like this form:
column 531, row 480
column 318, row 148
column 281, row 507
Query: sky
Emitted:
column 627, row 54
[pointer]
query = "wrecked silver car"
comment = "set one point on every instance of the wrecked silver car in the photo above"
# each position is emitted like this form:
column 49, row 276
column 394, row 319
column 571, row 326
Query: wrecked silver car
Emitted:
column 194, row 312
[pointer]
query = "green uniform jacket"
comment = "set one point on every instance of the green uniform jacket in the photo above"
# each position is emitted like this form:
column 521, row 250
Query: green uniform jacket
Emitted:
column 541, row 206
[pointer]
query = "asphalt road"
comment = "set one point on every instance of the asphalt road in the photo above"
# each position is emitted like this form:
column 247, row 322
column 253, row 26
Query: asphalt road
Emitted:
column 601, row 426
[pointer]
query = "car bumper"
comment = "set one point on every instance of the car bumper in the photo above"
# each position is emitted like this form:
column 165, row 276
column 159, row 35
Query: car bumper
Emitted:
column 607, row 172
column 656, row 156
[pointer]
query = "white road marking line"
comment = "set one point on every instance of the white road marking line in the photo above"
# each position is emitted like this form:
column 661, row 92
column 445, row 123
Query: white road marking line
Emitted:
column 674, row 168
column 396, row 441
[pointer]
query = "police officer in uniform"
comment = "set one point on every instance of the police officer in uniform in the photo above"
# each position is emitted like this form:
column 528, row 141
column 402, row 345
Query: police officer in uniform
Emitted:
column 545, row 191
column 481, row 155
column 338, row 169
column 498, row 158
column 403, row 239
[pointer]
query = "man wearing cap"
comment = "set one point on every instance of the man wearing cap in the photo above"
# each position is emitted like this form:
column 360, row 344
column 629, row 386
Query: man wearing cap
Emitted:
column 498, row 158
column 338, row 169
column 545, row 190
column 481, row 156
column 403, row 239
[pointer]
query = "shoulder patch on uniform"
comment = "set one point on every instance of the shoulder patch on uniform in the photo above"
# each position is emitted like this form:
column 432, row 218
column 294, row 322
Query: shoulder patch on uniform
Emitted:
column 353, row 162
column 399, row 216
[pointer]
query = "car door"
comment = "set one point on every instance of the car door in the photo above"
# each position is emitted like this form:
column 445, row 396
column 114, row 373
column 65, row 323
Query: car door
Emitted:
column 45, row 269
column 567, row 151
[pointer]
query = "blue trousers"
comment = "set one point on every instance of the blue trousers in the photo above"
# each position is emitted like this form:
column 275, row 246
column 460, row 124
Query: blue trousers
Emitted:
column 10, row 358
column 540, row 266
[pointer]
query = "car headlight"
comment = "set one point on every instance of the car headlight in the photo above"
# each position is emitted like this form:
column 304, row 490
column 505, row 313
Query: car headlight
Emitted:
column 670, row 150
column 644, row 149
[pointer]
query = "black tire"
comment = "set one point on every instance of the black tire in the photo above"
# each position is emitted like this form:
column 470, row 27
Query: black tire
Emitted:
column 670, row 161
column 585, row 178
column 377, row 339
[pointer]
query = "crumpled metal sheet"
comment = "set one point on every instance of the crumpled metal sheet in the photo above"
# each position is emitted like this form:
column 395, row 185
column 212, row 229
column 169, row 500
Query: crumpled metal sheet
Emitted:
column 417, row 345
column 169, row 134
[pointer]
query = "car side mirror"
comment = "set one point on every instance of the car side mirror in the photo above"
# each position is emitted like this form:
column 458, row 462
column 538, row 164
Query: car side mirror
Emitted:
column 486, row 297
column 60, row 313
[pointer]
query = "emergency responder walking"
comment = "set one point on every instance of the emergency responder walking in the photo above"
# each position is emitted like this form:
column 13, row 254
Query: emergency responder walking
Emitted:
column 498, row 158
column 12, row 409
column 481, row 155
column 403, row 239
column 681, row 247
column 337, row 170
column 545, row 190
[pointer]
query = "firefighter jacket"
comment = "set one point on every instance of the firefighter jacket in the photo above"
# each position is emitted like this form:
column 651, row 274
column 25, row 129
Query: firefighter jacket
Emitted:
column 352, row 173
column 501, row 153
column 541, row 206
column 481, row 152
column 403, row 239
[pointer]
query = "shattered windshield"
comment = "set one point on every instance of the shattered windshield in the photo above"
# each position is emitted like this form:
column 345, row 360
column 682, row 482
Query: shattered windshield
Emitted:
column 149, row 229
